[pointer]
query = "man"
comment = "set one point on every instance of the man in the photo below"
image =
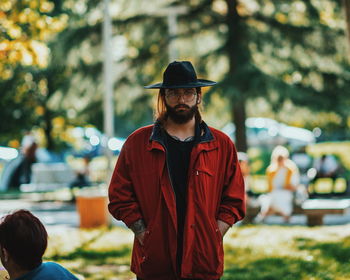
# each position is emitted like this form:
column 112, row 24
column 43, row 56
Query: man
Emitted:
column 23, row 241
column 178, row 186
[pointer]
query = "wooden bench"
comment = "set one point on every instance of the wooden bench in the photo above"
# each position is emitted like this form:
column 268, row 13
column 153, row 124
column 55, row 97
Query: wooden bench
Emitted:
column 314, row 209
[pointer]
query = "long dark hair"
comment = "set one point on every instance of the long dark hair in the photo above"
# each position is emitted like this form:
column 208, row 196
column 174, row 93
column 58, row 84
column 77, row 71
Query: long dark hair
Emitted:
column 161, row 114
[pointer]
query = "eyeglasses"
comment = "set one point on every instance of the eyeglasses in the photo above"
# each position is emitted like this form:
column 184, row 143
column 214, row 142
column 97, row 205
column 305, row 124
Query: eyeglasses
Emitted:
column 173, row 95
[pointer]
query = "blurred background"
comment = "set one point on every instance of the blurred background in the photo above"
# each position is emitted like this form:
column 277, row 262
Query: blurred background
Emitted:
column 72, row 74
column 282, row 68
column 284, row 61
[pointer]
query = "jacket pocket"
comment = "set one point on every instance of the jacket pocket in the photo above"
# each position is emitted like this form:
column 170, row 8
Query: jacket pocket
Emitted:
column 156, row 258
column 207, row 191
column 147, row 237
column 208, row 251
column 139, row 256
column 205, row 170
column 217, row 231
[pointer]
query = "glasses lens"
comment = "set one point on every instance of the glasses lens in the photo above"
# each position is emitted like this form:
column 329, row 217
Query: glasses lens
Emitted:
column 188, row 95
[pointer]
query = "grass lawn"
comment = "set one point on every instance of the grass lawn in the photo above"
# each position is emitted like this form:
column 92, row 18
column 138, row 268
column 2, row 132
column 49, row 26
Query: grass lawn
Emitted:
column 252, row 252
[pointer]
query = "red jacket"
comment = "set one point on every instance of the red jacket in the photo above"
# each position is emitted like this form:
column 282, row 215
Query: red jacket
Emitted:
column 141, row 189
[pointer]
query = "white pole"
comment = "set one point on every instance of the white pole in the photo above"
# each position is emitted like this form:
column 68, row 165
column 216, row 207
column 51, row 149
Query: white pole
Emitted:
column 172, row 29
column 108, row 107
column 172, row 13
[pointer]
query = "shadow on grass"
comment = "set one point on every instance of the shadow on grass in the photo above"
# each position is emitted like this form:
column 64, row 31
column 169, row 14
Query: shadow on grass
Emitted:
column 88, row 254
column 323, row 261
column 85, row 252
column 275, row 269
column 339, row 251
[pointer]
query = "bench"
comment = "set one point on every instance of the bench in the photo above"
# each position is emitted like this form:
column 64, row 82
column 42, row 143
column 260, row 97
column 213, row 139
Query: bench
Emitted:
column 49, row 177
column 314, row 209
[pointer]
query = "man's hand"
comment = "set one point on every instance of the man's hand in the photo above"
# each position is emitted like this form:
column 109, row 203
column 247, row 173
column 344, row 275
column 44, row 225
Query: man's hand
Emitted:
column 140, row 237
column 223, row 227
column 139, row 230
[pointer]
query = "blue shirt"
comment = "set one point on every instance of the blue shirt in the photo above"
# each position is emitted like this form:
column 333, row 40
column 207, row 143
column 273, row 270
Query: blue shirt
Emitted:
column 48, row 271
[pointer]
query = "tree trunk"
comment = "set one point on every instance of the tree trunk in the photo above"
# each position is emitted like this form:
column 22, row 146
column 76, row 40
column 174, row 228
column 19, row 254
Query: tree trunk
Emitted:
column 48, row 129
column 234, row 51
column 347, row 16
column 239, row 116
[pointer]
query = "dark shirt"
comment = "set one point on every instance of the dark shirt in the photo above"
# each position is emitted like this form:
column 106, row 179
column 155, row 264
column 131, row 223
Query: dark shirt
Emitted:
column 179, row 154
column 178, row 160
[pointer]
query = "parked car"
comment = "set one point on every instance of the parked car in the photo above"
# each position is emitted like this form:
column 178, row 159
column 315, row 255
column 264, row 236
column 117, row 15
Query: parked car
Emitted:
column 269, row 132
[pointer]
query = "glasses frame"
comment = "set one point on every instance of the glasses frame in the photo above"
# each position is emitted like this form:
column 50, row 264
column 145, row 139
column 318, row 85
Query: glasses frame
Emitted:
column 188, row 94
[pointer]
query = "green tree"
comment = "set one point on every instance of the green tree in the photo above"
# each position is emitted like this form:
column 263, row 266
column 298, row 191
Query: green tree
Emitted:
column 281, row 51
column 25, row 83
column 26, row 26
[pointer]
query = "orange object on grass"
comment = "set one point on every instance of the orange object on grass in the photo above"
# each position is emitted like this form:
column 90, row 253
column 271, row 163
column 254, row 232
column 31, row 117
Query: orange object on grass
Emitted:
column 92, row 211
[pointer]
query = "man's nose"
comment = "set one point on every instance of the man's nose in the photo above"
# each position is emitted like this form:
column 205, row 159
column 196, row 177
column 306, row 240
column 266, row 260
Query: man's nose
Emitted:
column 181, row 96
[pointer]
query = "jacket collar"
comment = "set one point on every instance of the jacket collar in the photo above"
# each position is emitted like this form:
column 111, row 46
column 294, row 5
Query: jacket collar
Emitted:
column 202, row 135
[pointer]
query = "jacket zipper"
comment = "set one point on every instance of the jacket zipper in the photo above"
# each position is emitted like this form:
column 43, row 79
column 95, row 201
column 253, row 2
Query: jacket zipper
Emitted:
column 167, row 165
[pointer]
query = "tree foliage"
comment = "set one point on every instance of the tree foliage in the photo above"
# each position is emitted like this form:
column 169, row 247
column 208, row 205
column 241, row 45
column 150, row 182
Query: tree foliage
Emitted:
column 282, row 52
column 26, row 27
column 26, row 77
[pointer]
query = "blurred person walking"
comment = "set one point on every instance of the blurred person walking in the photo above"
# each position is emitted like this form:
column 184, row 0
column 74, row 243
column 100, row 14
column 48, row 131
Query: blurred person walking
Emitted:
column 23, row 242
column 19, row 170
column 177, row 185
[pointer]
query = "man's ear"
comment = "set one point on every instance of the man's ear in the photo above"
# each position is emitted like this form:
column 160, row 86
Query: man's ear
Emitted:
column 199, row 98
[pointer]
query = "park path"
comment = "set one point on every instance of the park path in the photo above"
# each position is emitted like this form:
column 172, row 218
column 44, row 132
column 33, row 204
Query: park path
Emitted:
column 64, row 214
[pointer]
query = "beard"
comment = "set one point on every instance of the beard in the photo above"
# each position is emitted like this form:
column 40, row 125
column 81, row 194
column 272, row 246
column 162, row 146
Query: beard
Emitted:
column 181, row 116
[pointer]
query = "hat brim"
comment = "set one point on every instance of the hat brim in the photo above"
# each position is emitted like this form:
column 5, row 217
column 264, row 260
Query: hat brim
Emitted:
column 199, row 83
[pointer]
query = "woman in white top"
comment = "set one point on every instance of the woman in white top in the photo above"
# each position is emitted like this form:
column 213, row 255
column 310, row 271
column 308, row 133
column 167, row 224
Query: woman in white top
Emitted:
column 283, row 179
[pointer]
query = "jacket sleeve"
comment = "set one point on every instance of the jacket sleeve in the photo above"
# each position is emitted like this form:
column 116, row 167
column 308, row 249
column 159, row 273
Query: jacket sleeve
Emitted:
column 232, row 206
column 123, row 204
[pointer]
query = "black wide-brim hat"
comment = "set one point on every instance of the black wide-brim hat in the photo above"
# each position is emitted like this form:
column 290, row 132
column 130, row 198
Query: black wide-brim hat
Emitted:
column 181, row 74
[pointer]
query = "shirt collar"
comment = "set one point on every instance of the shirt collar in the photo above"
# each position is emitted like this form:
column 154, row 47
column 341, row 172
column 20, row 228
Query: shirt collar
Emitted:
column 202, row 133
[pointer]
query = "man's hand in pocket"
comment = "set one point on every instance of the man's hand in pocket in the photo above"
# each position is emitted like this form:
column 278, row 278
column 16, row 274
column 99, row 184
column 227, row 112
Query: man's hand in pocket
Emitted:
column 223, row 227
column 140, row 237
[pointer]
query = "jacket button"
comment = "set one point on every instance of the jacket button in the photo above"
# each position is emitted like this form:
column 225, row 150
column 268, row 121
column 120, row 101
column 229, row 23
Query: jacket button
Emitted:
column 189, row 275
column 193, row 226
